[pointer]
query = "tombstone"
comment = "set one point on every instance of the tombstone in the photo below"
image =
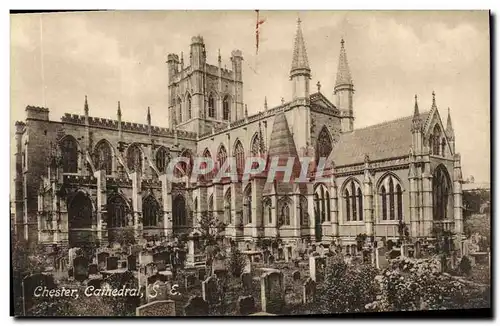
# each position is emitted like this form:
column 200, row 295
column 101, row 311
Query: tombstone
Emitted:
column 404, row 250
column 201, row 274
column 101, row 259
column 246, row 305
column 272, row 291
column 418, row 250
column 196, row 306
column 248, row 265
column 123, row 264
column 29, row 284
column 132, row 262
column 394, row 253
column 209, row 290
column 111, row 263
column 296, row 275
column 381, row 261
column 80, row 268
column 189, row 281
column 390, row 245
column 161, row 266
column 219, row 268
column 151, row 269
column 246, row 281
column 308, row 291
column 145, row 258
column 72, row 253
column 270, row 259
column 95, row 283
column 287, row 254
column 316, row 268
column 156, row 309
column 93, row 269
column 265, row 255
column 70, row 272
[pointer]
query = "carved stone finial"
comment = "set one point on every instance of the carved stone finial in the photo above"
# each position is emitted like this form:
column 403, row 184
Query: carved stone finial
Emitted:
column 319, row 86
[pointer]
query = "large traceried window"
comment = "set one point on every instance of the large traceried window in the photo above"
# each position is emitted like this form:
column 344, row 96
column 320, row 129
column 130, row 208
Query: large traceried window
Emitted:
column 227, row 207
column 442, row 194
column 322, row 201
column 69, row 153
column 239, row 155
column 226, row 108
column 304, row 220
column 211, row 106
column 221, row 156
column 179, row 212
column 284, row 212
column 390, row 199
column 103, row 158
column 179, row 110
column 435, row 143
column 323, row 145
column 267, row 210
column 161, row 159
column 150, row 211
column 183, row 168
column 247, row 203
column 134, row 158
column 117, row 212
column 353, row 201
column 255, row 147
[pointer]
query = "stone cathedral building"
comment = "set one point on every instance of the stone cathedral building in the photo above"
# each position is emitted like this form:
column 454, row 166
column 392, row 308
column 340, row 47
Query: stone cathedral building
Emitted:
column 85, row 179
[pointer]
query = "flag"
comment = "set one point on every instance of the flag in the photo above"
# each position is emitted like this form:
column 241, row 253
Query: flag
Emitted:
column 257, row 26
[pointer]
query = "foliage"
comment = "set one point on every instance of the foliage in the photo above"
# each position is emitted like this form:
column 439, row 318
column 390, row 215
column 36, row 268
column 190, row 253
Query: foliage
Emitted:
column 465, row 266
column 360, row 241
column 210, row 227
column 346, row 288
column 403, row 231
column 408, row 284
column 236, row 262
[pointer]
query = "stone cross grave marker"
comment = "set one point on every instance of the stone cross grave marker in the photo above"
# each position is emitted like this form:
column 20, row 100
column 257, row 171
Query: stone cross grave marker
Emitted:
column 272, row 291
column 159, row 308
column 196, row 306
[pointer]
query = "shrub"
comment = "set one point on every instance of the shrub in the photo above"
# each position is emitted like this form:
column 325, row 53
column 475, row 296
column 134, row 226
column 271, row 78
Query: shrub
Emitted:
column 465, row 266
column 236, row 262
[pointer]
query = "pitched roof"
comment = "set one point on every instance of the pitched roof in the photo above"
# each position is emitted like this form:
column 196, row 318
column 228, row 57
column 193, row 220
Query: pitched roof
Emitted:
column 282, row 146
column 382, row 141
column 343, row 72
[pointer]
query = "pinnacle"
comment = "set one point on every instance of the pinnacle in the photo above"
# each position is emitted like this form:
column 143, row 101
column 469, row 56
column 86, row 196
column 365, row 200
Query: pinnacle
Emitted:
column 299, row 60
column 343, row 72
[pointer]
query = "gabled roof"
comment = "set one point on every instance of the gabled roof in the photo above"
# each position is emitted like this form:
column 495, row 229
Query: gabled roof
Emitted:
column 382, row 141
column 318, row 99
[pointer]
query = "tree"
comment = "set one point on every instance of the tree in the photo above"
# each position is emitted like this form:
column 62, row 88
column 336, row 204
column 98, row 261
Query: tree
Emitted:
column 237, row 262
column 210, row 228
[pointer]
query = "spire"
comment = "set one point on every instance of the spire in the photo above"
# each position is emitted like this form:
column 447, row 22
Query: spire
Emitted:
column 416, row 121
column 433, row 100
column 149, row 116
column 265, row 103
column 119, row 113
column 299, row 61
column 415, row 111
column 219, row 58
column 86, row 106
column 343, row 72
column 449, row 127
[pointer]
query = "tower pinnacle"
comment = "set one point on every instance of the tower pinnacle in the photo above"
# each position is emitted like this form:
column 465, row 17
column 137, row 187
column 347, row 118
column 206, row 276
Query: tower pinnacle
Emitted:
column 343, row 71
column 415, row 112
column 149, row 116
column 449, row 127
column 119, row 112
column 300, row 63
column 433, row 99
column 86, row 106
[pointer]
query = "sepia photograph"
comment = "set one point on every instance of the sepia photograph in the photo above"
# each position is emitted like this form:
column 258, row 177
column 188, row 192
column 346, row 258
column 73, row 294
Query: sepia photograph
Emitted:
column 177, row 163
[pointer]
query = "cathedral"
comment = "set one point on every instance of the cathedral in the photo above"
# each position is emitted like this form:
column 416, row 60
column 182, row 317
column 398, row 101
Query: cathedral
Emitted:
column 92, row 180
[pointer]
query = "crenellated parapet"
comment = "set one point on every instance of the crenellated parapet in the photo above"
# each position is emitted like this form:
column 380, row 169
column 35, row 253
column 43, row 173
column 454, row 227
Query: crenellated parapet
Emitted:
column 118, row 182
column 79, row 180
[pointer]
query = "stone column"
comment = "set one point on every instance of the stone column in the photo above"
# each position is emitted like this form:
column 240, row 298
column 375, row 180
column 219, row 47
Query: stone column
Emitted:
column 296, row 213
column 334, row 206
column 236, row 208
column 137, row 204
column 166, row 195
column 427, row 198
column 101, row 204
column 457, row 197
column 257, row 218
column 368, row 201
column 310, row 210
column 412, row 177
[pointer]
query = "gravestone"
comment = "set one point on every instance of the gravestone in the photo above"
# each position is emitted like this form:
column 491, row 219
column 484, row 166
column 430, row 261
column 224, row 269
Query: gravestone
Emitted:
column 70, row 272
column 209, row 290
column 246, row 281
column 381, row 261
column 246, row 305
column 308, row 291
column 272, row 291
column 394, row 253
column 418, row 250
column 151, row 269
column 296, row 275
column 316, row 268
column 161, row 266
column 189, row 281
column 135, row 250
column 95, row 283
column 156, row 308
column 93, row 269
column 132, row 262
column 196, row 306
column 404, row 250
column 123, row 264
column 266, row 255
column 29, row 284
column 80, row 268
column 101, row 259
column 145, row 258
column 390, row 245
column 157, row 291
column 201, row 274
column 111, row 263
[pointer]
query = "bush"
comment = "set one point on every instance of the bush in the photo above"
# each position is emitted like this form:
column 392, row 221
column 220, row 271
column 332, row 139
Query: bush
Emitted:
column 236, row 263
column 465, row 266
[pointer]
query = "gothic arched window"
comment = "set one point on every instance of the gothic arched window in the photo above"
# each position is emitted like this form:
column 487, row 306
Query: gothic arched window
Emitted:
column 207, row 155
column 188, row 104
column 227, row 207
column 267, row 211
column 284, row 212
column 304, row 221
column 247, row 203
column 179, row 110
column 117, row 212
column 255, row 147
column 103, row 159
column 150, row 211
column 322, row 198
column 443, row 146
column 182, row 168
column 323, row 145
column 221, row 156
column 441, row 191
column 179, row 212
column 353, row 198
column 134, row 158
column 80, row 212
column 226, row 109
column 435, row 139
column 69, row 153
column 391, row 199
column 239, row 155
column 161, row 159
column 211, row 106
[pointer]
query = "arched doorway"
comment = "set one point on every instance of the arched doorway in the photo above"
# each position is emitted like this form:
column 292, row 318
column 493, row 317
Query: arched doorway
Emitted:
column 80, row 220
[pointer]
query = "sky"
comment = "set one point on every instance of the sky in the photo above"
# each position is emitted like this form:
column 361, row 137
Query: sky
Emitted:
column 58, row 58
